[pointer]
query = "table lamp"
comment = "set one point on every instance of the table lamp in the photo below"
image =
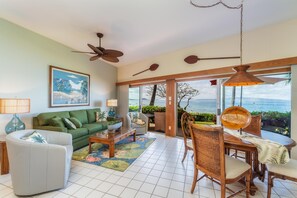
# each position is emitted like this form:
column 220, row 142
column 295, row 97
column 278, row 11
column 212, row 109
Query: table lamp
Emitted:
column 111, row 103
column 14, row 106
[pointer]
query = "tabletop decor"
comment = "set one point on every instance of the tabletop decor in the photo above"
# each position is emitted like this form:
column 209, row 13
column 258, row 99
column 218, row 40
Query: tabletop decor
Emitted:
column 68, row 88
column 14, row 106
column 112, row 103
column 126, row 152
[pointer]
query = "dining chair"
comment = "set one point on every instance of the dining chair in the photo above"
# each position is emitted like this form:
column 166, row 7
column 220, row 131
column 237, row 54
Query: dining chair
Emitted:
column 282, row 171
column 186, row 118
column 210, row 158
column 254, row 127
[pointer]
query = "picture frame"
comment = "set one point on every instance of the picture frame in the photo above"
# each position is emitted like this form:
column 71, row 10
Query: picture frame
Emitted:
column 68, row 87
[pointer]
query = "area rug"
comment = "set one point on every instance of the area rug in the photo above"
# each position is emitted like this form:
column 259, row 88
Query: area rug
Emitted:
column 126, row 152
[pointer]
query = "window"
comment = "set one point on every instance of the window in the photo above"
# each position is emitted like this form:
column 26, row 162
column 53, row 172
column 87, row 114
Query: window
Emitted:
column 272, row 100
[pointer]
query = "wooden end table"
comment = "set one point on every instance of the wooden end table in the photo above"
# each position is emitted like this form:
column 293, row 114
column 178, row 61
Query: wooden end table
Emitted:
column 4, row 164
column 110, row 139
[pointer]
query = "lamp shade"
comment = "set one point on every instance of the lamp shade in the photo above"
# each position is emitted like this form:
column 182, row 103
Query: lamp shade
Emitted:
column 112, row 102
column 242, row 77
column 14, row 105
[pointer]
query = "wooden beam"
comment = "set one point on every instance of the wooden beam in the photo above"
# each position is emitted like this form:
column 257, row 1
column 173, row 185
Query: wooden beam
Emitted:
column 264, row 66
column 171, row 124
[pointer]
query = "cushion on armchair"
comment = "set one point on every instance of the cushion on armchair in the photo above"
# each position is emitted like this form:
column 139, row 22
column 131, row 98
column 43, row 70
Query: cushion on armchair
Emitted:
column 34, row 137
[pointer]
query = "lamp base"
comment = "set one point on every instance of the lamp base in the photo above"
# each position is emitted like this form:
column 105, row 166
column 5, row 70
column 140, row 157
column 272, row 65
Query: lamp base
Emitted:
column 111, row 113
column 15, row 124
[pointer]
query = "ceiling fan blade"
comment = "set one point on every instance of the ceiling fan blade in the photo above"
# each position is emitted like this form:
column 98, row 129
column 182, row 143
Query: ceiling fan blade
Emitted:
column 95, row 57
column 95, row 49
column 114, row 53
column 110, row 59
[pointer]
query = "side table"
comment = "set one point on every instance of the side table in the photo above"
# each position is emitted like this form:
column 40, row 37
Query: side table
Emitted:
column 4, row 164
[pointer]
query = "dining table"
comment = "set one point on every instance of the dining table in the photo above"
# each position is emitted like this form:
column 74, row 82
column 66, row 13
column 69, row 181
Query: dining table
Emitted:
column 251, row 153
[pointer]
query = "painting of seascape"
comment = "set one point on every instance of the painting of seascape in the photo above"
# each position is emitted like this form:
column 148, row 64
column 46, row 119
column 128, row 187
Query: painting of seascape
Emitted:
column 68, row 88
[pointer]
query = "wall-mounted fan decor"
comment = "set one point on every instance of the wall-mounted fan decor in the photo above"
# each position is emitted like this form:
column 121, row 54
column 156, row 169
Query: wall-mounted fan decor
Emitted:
column 100, row 52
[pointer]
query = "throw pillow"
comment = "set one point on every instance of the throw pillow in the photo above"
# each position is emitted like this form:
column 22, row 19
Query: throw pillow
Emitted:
column 97, row 116
column 56, row 121
column 35, row 137
column 76, row 122
column 68, row 123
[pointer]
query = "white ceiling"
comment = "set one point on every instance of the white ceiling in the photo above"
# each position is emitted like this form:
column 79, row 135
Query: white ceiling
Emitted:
column 141, row 28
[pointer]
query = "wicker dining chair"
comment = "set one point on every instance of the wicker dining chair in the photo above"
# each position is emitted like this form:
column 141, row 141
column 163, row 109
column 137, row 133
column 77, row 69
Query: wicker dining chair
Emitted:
column 255, row 126
column 282, row 171
column 186, row 118
column 210, row 158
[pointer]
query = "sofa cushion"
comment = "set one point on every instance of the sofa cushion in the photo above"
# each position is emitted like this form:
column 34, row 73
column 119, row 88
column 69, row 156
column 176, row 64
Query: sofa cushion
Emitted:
column 81, row 115
column 92, row 114
column 76, row 122
column 94, row 127
column 44, row 118
column 68, row 123
column 56, row 121
column 77, row 133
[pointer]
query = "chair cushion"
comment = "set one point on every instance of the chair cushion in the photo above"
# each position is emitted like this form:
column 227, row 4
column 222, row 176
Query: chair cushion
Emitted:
column 288, row 169
column 190, row 144
column 235, row 167
column 77, row 133
column 81, row 115
column 34, row 137
column 134, row 125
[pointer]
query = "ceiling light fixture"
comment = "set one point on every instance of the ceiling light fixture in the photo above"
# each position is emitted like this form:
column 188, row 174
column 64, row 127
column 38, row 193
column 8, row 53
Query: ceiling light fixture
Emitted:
column 241, row 77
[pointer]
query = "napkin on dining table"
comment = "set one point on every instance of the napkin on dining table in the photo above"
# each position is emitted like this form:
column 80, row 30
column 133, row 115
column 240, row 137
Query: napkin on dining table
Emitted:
column 268, row 151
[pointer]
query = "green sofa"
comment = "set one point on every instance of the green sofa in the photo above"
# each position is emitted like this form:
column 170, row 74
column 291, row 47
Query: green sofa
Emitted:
column 80, row 136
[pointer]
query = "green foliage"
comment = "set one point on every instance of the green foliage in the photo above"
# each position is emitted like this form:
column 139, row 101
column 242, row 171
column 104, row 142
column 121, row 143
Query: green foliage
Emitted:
column 152, row 109
column 199, row 117
column 274, row 121
column 133, row 108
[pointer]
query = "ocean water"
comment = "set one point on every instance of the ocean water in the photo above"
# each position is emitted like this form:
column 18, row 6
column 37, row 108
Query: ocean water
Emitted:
column 209, row 105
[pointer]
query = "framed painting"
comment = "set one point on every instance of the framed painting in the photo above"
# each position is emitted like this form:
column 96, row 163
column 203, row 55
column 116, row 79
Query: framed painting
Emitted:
column 68, row 88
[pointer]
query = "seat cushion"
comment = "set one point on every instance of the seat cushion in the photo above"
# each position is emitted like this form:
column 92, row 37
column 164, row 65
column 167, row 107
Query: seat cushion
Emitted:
column 81, row 115
column 76, row 133
column 190, row 144
column 94, row 127
column 235, row 167
column 288, row 169
column 134, row 125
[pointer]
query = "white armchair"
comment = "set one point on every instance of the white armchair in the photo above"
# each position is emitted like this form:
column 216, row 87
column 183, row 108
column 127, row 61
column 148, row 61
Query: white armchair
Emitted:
column 138, row 121
column 38, row 167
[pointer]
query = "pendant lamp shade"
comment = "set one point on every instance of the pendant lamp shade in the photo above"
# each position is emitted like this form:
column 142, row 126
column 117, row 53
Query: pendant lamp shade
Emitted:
column 242, row 77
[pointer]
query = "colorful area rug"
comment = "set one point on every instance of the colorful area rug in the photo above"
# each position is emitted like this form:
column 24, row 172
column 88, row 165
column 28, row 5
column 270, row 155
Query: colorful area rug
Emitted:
column 126, row 152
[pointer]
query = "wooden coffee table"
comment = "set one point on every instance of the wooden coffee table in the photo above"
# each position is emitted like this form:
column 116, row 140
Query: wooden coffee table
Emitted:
column 110, row 139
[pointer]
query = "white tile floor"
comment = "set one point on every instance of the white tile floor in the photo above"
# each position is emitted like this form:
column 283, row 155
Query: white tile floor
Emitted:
column 158, row 172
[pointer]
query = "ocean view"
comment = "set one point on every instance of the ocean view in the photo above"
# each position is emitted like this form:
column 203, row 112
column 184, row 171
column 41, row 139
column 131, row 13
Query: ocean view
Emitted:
column 209, row 105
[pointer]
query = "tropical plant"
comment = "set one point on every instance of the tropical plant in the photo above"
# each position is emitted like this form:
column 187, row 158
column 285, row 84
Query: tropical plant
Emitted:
column 184, row 92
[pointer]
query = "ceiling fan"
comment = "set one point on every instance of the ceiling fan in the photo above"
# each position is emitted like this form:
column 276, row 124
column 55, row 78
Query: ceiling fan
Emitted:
column 100, row 52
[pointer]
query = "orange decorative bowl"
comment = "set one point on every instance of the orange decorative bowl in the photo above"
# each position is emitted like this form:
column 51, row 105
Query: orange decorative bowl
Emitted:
column 236, row 118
